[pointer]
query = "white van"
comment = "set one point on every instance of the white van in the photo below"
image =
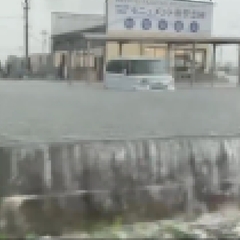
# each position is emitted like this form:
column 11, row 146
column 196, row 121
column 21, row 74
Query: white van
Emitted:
column 140, row 73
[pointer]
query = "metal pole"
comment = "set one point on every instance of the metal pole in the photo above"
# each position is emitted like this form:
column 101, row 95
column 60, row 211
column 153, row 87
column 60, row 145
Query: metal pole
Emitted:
column 173, row 62
column 141, row 49
column 169, row 58
column 238, row 64
column 120, row 48
column 104, row 59
column 88, row 61
column 193, row 80
column 213, row 64
column 26, row 11
column 205, row 59
column 69, row 65
column 71, row 61
column 83, row 61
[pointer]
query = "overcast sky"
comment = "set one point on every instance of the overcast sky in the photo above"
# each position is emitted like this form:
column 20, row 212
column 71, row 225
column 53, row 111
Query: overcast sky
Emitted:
column 226, row 21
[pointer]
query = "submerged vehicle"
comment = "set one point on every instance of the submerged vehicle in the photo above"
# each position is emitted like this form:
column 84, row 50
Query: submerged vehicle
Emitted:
column 138, row 73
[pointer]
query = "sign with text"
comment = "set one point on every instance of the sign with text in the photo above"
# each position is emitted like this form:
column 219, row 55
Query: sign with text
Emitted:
column 175, row 16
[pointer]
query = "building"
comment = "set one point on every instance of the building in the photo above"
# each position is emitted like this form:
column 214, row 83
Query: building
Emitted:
column 40, row 65
column 133, row 18
column 14, row 66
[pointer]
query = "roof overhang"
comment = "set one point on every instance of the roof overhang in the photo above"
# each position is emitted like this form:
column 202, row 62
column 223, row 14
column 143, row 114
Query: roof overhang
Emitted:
column 157, row 39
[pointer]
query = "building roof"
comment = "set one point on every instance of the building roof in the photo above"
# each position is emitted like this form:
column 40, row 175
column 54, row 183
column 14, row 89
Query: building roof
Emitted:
column 164, row 39
column 64, row 23
column 101, row 28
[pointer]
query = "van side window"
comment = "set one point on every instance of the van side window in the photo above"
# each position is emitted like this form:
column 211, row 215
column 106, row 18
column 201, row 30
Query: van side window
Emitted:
column 114, row 66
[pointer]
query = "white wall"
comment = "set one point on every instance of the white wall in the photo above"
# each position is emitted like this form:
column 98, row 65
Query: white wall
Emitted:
column 67, row 22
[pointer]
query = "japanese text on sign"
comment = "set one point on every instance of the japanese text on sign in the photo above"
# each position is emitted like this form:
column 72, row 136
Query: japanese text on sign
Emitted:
column 162, row 15
column 163, row 12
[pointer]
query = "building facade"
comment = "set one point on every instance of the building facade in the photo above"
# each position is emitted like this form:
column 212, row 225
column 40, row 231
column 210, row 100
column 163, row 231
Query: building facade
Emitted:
column 157, row 18
column 40, row 65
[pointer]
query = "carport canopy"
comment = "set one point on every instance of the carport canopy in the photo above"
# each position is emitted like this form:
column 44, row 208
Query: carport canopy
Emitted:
column 169, row 40
column 157, row 39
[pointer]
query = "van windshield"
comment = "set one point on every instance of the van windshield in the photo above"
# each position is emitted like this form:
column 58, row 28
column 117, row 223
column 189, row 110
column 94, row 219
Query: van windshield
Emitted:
column 147, row 67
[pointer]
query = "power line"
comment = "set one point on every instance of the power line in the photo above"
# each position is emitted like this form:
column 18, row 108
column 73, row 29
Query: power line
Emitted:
column 11, row 17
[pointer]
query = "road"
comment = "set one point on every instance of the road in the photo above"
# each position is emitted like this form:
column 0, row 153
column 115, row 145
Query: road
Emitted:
column 52, row 111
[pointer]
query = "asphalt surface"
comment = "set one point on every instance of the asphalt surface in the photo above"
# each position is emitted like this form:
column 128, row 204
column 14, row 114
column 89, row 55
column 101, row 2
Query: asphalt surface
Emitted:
column 53, row 111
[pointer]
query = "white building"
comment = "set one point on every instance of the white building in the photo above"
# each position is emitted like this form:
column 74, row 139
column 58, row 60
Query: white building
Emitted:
column 138, row 18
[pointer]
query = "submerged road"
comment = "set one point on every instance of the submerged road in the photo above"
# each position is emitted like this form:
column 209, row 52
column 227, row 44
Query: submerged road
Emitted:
column 51, row 111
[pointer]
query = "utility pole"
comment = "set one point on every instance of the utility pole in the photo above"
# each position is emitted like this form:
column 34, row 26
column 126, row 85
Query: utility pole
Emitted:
column 26, row 18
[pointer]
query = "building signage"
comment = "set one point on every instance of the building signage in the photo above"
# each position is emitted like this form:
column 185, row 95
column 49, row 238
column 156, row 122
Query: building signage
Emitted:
column 177, row 16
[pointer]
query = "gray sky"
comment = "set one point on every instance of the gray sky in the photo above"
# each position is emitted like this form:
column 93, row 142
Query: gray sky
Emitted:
column 226, row 22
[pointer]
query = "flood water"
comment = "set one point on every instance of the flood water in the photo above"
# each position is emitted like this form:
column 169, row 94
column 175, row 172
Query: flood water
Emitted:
column 51, row 111
column 186, row 171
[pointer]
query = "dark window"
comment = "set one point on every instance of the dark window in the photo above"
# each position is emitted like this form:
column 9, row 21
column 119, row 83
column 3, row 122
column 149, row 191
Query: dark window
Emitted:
column 116, row 66
column 147, row 67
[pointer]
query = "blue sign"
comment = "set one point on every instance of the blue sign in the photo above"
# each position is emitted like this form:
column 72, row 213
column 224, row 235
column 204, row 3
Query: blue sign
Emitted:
column 178, row 26
column 162, row 24
column 146, row 24
column 129, row 23
column 194, row 26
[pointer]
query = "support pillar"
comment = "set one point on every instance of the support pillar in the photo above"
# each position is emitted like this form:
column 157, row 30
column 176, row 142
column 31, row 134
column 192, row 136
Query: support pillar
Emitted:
column 173, row 61
column 168, row 58
column 69, row 66
column 141, row 49
column 68, row 62
column 105, row 54
column 83, row 63
column 238, row 65
column 120, row 48
column 65, row 70
column 80, row 64
column 205, row 59
column 83, row 57
column 193, row 65
column 88, row 62
column 214, row 63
